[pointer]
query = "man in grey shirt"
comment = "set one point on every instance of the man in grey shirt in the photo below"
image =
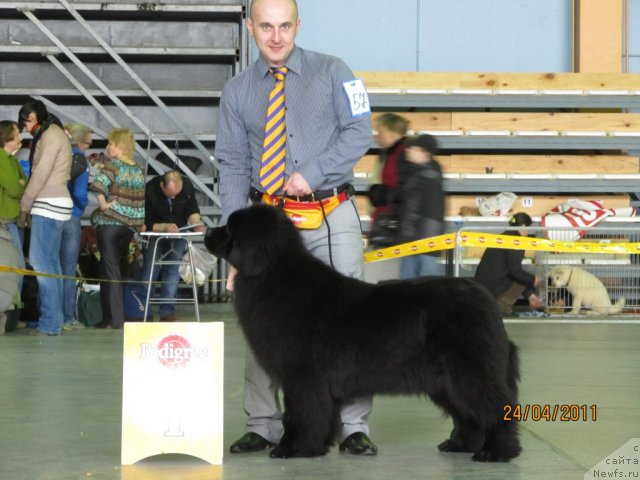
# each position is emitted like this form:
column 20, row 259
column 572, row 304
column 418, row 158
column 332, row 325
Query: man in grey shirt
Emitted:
column 328, row 129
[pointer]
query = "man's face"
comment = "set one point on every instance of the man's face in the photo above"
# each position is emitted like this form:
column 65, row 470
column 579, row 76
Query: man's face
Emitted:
column 274, row 26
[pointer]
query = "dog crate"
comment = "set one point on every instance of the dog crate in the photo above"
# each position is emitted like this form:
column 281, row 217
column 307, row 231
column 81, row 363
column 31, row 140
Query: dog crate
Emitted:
column 618, row 272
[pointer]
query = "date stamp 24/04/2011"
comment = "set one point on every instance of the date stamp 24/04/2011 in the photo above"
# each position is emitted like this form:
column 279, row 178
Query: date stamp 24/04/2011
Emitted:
column 538, row 412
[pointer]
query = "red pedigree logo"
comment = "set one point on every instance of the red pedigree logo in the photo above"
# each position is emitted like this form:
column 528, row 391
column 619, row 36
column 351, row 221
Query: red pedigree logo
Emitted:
column 172, row 351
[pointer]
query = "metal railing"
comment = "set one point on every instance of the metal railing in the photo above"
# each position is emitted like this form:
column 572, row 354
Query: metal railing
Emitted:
column 619, row 273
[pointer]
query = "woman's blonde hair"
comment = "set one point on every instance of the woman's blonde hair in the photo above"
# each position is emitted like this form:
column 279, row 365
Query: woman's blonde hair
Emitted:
column 78, row 132
column 123, row 139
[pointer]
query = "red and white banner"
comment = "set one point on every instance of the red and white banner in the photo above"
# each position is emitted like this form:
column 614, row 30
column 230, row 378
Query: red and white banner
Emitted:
column 577, row 214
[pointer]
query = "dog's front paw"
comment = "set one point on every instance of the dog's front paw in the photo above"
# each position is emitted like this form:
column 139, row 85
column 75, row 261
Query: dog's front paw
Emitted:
column 450, row 446
column 282, row 452
column 484, row 456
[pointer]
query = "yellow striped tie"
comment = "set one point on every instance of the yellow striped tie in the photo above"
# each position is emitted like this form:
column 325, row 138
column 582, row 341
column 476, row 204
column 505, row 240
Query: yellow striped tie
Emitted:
column 275, row 137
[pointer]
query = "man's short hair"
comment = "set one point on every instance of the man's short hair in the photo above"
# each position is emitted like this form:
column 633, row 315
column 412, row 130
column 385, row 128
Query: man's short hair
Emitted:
column 295, row 6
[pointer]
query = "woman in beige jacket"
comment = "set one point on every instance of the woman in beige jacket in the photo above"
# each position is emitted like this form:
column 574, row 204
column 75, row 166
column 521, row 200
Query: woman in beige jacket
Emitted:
column 47, row 200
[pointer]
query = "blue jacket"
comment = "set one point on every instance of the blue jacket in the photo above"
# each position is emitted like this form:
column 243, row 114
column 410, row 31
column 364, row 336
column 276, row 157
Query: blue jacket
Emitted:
column 78, row 189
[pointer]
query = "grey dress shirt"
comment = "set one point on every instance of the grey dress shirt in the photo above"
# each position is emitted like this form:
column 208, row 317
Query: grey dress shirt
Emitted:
column 324, row 140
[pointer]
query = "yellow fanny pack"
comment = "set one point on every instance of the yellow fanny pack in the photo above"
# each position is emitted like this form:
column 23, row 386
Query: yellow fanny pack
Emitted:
column 306, row 215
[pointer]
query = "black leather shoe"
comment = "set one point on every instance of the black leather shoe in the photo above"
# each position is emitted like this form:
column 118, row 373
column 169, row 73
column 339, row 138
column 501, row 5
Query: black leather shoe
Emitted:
column 359, row 444
column 250, row 442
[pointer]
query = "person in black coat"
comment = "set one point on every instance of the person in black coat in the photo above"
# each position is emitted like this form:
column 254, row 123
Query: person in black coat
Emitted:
column 417, row 205
column 500, row 271
column 421, row 207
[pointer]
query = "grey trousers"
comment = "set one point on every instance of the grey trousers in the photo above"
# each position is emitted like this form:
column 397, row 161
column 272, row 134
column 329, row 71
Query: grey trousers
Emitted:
column 261, row 402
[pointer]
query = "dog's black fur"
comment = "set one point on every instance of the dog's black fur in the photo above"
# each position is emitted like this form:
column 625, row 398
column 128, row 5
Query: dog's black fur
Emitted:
column 329, row 338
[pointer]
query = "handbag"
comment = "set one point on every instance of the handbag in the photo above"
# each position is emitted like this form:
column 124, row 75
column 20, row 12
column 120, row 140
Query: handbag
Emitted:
column 385, row 227
column 134, row 296
column 79, row 165
column 89, row 309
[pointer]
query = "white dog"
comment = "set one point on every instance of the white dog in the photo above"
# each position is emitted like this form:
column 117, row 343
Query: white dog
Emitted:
column 586, row 289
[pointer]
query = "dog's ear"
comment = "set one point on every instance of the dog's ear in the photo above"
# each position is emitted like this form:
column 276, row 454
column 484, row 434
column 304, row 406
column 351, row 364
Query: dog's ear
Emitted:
column 253, row 239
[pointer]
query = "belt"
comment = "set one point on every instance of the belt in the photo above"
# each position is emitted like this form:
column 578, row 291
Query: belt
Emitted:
column 347, row 188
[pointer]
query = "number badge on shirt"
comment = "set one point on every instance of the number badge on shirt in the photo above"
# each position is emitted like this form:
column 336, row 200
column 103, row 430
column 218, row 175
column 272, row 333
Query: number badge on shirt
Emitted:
column 358, row 97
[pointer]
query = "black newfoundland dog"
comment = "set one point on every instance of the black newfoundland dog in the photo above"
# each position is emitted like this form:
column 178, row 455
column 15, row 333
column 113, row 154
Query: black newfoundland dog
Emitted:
column 329, row 338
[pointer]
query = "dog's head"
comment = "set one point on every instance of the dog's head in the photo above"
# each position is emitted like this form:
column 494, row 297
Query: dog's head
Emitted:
column 560, row 276
column 253, row 238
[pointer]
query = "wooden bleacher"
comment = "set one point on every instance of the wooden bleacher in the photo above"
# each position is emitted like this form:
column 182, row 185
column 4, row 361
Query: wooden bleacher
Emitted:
column 522, row 164
column 501, row 81
column 521, row 121
column 610, row 176
column 534, row 205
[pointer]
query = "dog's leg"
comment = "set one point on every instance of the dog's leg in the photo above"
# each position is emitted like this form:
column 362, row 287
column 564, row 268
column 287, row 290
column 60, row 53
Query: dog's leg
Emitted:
column 577, row 304
column 310, row 415
column 502, row 441
column 466, row 436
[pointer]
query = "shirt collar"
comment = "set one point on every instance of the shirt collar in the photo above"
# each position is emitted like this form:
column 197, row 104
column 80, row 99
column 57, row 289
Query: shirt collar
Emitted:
column 294, row 63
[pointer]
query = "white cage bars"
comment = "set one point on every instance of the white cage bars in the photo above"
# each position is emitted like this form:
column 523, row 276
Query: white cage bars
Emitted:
column 618, row 272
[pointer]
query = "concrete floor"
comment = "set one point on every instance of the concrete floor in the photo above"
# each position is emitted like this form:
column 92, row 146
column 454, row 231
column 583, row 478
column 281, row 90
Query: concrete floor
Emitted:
column 60, row 412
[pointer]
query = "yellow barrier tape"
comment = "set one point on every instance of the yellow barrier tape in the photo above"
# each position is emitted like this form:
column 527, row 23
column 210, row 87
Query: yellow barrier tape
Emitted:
column 491, row 240
column 432, row 244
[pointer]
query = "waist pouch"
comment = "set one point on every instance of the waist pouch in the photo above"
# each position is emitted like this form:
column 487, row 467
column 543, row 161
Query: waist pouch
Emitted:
column 306, row 215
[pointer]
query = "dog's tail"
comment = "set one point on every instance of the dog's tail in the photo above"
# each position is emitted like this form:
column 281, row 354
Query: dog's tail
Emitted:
column 513, row 373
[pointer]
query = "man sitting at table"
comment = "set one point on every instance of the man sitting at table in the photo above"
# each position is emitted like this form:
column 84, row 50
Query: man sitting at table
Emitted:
column 170, row 205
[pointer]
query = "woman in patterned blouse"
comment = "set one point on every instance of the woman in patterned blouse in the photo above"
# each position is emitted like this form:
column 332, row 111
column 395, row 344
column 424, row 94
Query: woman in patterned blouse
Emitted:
column 120, row 189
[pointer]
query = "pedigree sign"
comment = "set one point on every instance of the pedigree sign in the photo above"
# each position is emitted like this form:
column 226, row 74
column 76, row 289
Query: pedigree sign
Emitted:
column 172, row 351
column 172, row 390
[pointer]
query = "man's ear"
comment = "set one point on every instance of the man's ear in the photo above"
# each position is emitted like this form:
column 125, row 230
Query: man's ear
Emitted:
column 250, row 27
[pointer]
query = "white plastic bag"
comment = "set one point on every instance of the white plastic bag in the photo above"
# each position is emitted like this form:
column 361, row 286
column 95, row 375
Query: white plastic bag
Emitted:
column 497, row 205
column 203, row 263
